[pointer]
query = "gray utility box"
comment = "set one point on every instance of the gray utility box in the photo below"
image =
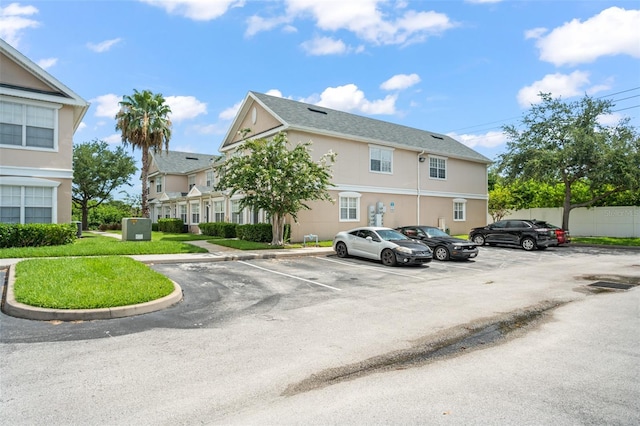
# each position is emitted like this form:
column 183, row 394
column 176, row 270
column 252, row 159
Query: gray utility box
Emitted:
column 136, row 229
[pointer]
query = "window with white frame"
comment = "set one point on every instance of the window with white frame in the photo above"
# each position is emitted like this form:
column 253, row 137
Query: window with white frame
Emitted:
column 192, row 181
column 195, row 213
column 236, row 212
column 380, row 159
column 349, row 206
column 437, row 168
column 210, row 178
column 28, row 125
column 183, row 212
column 459, row 209
column 26, row 204
column 218, row 211
column 159, row 184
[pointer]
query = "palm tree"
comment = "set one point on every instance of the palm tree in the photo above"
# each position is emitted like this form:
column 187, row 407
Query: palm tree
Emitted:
column 144, row 123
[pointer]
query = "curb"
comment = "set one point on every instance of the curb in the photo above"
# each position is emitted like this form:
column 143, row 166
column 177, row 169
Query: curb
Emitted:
column 20, row 310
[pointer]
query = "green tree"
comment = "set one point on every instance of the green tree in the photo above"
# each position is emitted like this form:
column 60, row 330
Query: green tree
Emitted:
column 97, row 172
column 566, row 143
column 144, row 122
column 500, row 201
column 276, row 178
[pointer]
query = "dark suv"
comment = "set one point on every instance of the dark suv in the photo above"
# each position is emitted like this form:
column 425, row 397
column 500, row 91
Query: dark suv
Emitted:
column 528, row 234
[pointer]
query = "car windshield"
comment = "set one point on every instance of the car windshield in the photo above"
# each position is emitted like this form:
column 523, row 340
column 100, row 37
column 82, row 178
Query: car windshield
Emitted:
column 391, row 235
column 435, row 232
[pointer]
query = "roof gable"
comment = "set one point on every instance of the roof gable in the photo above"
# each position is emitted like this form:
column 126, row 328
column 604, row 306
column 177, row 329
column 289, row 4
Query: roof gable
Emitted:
column 316, row 119
column 35, row 83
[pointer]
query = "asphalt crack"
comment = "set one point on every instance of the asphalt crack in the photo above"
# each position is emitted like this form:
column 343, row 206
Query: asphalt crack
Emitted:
column 455, row 341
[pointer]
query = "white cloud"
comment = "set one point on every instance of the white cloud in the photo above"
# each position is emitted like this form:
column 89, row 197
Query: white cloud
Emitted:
column 230, row 113
column 364, row 18
column 106, row 105
column 274, row 92
column 535, row 33
column 185, row 107
column 197, row 10
column 559, row 85
column 104, row 45
column 487, row 140
column 349, row 98
column 13, row 21
column 324, row 46
column 400, row 82
column 613, row 31
column 47, row 63
column 610, row 120
column 256, row 24
column 113, row 138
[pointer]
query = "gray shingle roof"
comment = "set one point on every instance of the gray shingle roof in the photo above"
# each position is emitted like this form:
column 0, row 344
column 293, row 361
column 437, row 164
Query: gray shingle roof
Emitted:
column 177, row 162
column 303, row 116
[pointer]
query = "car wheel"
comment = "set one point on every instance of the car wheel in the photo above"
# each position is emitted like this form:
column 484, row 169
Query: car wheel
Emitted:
column 528, row 244
column 341, row 250
column 478, row 239
column 441, row 253
column 388, row 257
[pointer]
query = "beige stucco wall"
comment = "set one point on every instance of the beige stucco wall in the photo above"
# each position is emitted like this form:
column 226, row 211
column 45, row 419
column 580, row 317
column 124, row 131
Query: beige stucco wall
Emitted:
column 13, row 74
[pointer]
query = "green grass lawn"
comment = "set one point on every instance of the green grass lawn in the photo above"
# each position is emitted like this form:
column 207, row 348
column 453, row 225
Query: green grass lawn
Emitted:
column 87, row 282
column 607, row 241
column 96, row 245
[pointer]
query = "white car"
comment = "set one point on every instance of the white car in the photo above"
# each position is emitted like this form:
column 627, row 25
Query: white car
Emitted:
column 384, row 244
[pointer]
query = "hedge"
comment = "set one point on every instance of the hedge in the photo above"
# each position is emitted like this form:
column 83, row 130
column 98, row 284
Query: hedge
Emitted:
column 36, row 234
column 173, row 226
column 259, row 232
column 219, row 229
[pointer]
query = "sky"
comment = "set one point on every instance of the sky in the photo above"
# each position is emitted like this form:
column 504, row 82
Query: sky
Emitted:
column 462, row 68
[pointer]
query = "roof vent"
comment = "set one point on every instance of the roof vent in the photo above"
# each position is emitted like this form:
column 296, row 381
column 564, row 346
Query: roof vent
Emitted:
column 437, row 137
column 192, row 158
column 317, row 110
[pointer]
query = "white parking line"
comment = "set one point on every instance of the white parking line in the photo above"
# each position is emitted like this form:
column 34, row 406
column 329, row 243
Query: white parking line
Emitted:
column 386, row 271
column 287, row 275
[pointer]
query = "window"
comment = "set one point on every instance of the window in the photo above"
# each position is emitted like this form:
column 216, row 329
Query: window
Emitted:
column 459, row 209
column 26, row 204
column 27, row 125
column 159, row 184
column 183, row 212
column 167, row 212
column 437, row 168
column 192, row 181
column 210, row 178
column 349, row 206
column 195, row 213
column 218, row 211
column 380, row 159
column 236, row 213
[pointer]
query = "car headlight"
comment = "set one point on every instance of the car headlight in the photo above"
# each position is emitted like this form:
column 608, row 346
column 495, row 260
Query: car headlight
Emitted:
column 404, row 250
column 457, row 247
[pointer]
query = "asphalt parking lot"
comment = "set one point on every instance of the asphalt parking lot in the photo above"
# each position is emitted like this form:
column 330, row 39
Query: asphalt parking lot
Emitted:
column 218, row 292
column 322, row 340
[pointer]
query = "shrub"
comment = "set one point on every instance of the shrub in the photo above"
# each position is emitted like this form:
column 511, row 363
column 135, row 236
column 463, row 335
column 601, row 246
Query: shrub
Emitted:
column 110, row 227
column 36, row 234
column 219, row 229
column 172, row 226
column 259, row 232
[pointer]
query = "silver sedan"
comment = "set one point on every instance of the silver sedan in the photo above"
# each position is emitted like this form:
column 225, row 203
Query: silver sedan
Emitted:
column 385, row 244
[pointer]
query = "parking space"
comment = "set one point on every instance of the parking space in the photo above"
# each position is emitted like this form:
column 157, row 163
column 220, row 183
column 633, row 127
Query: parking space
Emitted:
column 219, row 292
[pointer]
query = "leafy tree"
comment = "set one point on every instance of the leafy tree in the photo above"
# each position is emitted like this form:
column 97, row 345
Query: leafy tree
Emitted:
column 565, row 143
column 144, row 122
column 276, row 178
column 97, row 172
column 500, row 202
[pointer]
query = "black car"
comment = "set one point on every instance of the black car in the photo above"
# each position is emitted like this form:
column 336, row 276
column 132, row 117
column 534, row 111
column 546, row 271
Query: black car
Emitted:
column 528, row 234
column 444, row 246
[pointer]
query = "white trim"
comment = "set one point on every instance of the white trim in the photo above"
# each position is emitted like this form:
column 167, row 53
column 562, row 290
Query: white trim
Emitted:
column 349, row 194
column 15, row 181
column 407, row 191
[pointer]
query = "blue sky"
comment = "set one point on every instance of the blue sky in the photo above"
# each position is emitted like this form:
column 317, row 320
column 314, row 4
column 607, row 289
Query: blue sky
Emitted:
column 464, row 68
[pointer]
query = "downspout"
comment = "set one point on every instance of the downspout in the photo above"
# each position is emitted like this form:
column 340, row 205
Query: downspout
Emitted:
column 418, row 189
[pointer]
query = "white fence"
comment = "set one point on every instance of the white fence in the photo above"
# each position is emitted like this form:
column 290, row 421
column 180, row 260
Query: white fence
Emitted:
column 590, row 222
